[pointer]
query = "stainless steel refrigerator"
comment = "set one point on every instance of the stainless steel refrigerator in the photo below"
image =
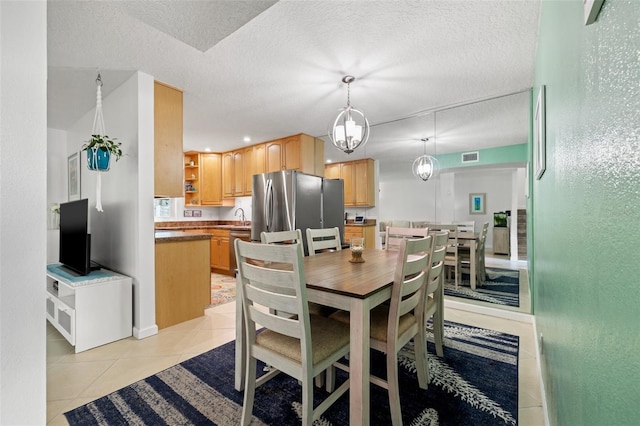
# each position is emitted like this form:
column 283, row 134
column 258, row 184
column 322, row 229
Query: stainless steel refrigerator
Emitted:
column 288, row 200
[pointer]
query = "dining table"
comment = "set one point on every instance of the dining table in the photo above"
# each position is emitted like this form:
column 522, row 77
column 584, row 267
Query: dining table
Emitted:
column 332, row 280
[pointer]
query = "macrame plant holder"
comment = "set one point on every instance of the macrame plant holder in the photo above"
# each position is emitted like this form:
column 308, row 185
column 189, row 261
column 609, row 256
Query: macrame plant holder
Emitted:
column 98, row 159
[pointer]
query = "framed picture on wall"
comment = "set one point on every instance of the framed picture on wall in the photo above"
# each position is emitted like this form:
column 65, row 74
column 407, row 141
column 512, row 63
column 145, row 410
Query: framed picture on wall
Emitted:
column 477, row 203
column 539, row 139
column 73, row 176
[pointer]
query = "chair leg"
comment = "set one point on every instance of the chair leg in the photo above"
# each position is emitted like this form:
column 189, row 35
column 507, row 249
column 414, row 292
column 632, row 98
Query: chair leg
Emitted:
column 437, row 332
column 330, row 378
column 392, row 387
column 307, row 402
column 249, row 391
column 420, row 347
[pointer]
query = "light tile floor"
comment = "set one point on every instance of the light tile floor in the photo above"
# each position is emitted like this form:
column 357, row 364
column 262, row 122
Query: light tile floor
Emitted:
column 75, row 379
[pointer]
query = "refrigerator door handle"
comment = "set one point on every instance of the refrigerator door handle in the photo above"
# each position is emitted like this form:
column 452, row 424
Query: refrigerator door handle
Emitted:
column 268, row 205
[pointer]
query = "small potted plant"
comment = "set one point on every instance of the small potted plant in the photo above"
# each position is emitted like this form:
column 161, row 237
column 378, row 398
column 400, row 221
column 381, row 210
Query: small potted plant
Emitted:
column 99, row 150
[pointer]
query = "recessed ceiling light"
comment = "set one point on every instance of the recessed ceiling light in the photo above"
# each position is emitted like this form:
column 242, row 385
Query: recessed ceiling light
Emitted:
column 247, row 139
column 207, row 150
column 328, row 161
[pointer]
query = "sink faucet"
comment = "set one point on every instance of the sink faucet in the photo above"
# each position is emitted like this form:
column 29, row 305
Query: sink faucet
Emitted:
column 242, row 219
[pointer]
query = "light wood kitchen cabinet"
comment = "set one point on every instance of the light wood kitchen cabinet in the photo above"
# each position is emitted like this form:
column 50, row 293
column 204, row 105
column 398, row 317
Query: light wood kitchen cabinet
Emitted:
column 192, row 179
column 211, row 179
column 168, row 165
column 298, row 152
column 359, row 181
column 233, row 174
column 183, row 280
column 220, row 249
column 361, row 231
column 254, row 163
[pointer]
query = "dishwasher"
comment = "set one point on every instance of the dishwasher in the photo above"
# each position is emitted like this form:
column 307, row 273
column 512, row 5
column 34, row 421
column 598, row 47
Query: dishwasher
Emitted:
column 244, row 235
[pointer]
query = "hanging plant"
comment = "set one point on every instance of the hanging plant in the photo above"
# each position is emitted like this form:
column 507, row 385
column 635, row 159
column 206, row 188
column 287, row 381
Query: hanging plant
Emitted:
column 99, row 151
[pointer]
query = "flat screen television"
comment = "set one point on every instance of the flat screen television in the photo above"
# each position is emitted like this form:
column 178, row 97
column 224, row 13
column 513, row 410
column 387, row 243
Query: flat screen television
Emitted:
column 75, row 241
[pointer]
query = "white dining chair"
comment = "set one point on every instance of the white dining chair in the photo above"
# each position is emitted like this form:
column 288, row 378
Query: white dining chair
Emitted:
column 326, row 239
column 281, row 237
column 393, row 325
column 301, row 345
column 394, row 235
column 465, row 256
column 434, row 293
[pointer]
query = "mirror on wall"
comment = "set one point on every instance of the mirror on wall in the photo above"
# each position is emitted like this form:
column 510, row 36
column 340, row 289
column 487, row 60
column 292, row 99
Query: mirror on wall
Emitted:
column 497, row 129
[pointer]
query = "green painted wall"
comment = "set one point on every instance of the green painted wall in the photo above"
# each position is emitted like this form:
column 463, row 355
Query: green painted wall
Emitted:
column 500, row 155
column 586, row 214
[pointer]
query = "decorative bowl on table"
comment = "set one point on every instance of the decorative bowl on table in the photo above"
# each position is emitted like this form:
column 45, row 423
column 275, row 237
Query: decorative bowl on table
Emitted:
column 356, row 247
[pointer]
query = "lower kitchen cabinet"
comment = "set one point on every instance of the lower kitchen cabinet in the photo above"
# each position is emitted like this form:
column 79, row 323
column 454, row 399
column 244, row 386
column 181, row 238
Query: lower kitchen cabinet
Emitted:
column 183, row 279
column 368, row 232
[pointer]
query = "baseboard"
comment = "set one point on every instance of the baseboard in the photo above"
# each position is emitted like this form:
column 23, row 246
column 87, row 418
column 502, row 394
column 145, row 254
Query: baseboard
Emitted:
column 485, row 310
column 146, row 332
column 543, row 394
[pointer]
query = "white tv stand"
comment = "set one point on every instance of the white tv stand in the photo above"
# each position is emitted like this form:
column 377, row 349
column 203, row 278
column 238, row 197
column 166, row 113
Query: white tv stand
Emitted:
column 89, row 310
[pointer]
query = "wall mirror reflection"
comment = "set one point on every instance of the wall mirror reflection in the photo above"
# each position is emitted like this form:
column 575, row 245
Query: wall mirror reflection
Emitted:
column 481, row 148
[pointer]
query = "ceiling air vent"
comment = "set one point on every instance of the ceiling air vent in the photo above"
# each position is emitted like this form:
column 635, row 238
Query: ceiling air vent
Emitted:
column 470, row 157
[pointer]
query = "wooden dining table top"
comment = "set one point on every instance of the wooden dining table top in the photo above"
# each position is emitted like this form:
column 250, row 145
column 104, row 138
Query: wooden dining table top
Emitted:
column 332, row 272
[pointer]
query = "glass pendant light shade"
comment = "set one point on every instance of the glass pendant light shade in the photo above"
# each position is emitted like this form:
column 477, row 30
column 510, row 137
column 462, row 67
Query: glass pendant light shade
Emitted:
column 350, row 129
column 424, row 167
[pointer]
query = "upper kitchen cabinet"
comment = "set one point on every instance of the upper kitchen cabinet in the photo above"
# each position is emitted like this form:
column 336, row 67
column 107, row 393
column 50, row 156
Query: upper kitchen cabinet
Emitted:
column 254, row 163
column 168, row 141
column 359, row 181
column 233, row 173
column 298, row 152
column 211, row 179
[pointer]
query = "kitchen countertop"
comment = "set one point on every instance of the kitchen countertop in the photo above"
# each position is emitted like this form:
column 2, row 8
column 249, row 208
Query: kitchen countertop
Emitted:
column 165, row 236
column 202, row 224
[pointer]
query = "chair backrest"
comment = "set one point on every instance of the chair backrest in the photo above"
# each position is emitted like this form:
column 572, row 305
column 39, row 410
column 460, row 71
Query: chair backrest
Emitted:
column 483, row 237
column 420, row 224
column 452, row 246
column 435, row 271
column 399, row 224
column 272, row 281
column 409, row 281
column 323, row 239
column 395, row 235
column 282, row 237
column 468, row 226
column 440, row 239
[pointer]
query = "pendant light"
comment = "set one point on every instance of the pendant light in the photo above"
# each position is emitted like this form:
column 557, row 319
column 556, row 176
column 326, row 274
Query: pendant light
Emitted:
column 424, row 167
column 350, row 129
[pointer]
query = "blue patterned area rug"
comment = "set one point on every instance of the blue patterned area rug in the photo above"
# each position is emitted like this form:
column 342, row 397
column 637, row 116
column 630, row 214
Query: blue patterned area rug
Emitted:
column 502, row 287
column 475, row 383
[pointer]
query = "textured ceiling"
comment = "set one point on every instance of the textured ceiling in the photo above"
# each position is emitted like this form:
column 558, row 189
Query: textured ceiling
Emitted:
column 268, row 69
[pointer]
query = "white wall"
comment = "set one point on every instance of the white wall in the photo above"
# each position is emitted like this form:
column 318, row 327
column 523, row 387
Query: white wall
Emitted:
column 23, row 212
column 122, row 236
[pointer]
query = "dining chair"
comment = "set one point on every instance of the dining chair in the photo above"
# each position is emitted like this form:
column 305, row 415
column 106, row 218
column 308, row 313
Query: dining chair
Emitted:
column 292, row 237
column 465, row 256
column 451, row 259
column 281, row 237
column 394, row 235
column 301, row 345
column 434, row 293
column 327, row 239
column 402, row 320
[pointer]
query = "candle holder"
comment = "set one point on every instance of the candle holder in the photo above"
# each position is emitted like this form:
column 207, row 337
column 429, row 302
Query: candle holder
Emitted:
column 356, row 247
